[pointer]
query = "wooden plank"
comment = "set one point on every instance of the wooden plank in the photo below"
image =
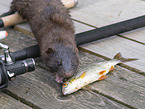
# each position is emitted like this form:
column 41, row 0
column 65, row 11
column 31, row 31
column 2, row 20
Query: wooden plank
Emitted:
column 110, row 46
column 122, row 86
column 136, row 35
column 101, row 13
column 6, row 102
column 24, row 28
column 139, row 88
column 4, row 4
column 40, row 89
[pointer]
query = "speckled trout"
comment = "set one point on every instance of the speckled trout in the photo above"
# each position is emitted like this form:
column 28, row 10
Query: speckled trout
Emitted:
column 91, row 73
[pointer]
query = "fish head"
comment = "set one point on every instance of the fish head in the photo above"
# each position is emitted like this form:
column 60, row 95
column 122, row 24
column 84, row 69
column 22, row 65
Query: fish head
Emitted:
column 70, row 86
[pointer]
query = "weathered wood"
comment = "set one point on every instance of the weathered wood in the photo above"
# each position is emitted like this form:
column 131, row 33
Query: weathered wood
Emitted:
column 5, row 4
column 101, row 13
column 122, row 85
column 110, row 46
column 24, row 28
column 40, row 90
column 136, row 35
column 6, row 102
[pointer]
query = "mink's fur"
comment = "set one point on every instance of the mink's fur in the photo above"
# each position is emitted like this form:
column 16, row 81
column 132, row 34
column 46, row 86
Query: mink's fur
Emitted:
column 54, row 30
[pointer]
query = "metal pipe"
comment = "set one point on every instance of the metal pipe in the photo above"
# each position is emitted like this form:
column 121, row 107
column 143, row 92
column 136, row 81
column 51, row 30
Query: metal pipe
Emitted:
column 110, row 30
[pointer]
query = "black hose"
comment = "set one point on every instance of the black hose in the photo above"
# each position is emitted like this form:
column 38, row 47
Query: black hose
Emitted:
column 110, row 30
column 1, row 23
column 30, row 52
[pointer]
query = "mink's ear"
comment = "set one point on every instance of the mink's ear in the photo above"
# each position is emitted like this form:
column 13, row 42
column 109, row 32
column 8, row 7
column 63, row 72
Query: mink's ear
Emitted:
column 49, row 50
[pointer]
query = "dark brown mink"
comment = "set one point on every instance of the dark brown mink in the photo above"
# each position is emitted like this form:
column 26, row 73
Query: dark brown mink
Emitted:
column 54, row 30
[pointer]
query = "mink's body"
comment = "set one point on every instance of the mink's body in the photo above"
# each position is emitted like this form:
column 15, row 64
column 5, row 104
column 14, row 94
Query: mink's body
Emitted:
column 54, row 30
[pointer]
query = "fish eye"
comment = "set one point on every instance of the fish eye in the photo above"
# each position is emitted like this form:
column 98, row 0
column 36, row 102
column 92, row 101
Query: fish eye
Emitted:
column 64, row 85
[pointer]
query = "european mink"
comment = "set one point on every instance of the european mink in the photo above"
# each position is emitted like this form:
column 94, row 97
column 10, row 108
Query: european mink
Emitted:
column 54, row 30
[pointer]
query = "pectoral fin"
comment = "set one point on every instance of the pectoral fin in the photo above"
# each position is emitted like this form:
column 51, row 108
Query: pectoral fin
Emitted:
column 102, row 72
column 83, row 74
column 87, row 88
column 112, row 68
column 102, row 77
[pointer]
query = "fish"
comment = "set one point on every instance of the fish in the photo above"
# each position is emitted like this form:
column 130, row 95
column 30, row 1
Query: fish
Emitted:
column 91, row 73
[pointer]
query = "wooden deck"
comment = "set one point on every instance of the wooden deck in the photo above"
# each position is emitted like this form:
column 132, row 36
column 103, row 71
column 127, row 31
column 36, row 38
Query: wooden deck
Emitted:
column 123, row 89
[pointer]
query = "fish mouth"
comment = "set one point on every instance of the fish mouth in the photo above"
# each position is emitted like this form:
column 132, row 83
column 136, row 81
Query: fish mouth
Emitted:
column 63, row 93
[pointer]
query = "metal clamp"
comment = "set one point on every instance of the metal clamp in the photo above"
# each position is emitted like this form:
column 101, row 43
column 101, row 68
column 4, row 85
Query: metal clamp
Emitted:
column 6, row 57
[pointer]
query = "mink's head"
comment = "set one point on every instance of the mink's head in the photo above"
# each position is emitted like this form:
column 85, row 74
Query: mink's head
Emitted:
column 61, row 60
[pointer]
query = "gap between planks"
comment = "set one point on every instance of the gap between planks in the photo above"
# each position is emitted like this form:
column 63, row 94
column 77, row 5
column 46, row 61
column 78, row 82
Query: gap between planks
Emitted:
column 22, row 100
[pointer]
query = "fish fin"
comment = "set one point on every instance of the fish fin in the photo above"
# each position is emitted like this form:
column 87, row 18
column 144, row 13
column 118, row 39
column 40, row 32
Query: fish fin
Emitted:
column 102, row 77
column 111, row 71
column 83, row 74
column 112, row 68
column 102, row 72
column 118, row 56
column 87, row 88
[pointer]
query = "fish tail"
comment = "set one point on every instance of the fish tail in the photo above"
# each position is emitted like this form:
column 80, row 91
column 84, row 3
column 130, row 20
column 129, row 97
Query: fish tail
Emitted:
column 118, row 56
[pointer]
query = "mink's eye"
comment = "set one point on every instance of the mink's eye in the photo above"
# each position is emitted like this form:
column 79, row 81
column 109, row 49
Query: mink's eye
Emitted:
column 72, row 64
column 64, row 85
column 59, row 63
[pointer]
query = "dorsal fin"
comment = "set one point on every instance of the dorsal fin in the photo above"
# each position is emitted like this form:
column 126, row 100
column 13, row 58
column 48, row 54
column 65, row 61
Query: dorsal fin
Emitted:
column 118, row 56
